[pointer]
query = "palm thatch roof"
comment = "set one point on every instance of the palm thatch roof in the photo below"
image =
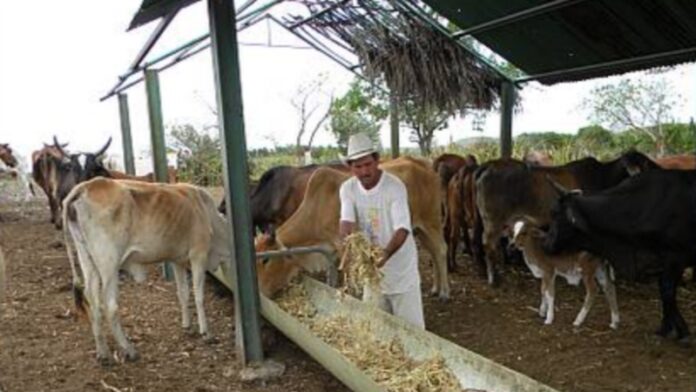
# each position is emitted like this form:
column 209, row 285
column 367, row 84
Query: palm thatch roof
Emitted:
column 413, row 58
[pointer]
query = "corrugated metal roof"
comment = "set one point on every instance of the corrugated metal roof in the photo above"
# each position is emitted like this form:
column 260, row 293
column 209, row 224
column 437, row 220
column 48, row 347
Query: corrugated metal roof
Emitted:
column 576, row 36
column 154, row 9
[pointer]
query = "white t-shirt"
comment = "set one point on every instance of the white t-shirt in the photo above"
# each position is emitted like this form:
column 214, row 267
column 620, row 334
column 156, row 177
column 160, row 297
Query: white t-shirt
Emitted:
column 379, row 213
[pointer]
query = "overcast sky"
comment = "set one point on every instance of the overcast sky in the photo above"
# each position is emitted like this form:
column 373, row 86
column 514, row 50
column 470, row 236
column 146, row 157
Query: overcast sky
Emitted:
column 55, row 65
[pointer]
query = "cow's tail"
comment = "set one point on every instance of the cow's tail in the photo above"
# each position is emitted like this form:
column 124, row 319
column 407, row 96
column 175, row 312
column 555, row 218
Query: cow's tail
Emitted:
column 2, row 278
column 70, row 226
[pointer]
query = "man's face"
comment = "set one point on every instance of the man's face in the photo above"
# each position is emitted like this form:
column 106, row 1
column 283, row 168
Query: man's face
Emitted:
column 367, row 170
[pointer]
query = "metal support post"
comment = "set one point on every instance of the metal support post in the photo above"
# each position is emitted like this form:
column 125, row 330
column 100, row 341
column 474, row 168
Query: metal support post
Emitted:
column 223, row 34
column 159, row 153
column 126, row 139
column 507, row 98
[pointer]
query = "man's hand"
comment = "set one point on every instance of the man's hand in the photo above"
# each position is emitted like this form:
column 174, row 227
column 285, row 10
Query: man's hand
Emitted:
column 383, row 260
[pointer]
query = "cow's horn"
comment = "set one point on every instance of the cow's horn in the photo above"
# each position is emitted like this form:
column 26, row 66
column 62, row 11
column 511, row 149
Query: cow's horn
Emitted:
column 558, row 187
column 103, row 149
column 59, row 146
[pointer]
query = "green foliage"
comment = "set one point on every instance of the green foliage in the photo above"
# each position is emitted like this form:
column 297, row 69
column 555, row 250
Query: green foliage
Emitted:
column 361, row 109
column 202, row 165
column 543, row 140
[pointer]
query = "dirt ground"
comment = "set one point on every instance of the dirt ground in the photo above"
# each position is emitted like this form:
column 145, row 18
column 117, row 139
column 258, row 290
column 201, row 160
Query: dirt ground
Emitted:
column 42, row 347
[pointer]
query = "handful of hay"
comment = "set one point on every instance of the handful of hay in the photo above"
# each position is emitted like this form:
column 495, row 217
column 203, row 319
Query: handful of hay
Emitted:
column 361, row 257
column 385, row 361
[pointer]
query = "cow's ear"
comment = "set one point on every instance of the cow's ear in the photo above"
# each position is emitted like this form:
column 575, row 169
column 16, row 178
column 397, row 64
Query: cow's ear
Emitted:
column 576, row 218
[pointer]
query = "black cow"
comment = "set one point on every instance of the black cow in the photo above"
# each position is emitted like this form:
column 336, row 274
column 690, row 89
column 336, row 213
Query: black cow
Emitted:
column 508, row 190
column 645, row 227
column 72, row 169
column 279, row 193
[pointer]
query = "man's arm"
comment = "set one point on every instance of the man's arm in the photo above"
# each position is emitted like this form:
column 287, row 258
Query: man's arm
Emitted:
column 394, row 245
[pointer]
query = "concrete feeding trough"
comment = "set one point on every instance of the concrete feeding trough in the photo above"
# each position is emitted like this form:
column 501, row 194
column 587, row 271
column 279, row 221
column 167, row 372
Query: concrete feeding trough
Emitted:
column 473, row 371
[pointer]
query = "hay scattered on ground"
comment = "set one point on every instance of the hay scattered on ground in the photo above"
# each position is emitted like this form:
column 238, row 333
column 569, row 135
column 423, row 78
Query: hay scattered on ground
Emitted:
column 385, row 361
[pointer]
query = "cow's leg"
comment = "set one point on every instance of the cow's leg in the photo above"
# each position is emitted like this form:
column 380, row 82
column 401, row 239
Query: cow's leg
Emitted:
column 53, row 207
column 111, row 299
column 590, row 291
column 543, row 306
column 550, row 296
column 93, row 294
column 433, row 243
column 667, row 290
column 198, row 276
column 452, row 233
column 604, row 279
column 491, row 237
column 672, row 318
column 182, row 291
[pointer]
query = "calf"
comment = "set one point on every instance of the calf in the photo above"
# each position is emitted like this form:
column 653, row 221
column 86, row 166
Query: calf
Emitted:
column 572, row 266
column 460, row 213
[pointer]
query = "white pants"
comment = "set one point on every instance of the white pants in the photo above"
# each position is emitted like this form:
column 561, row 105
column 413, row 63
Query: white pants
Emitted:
column 407, row 306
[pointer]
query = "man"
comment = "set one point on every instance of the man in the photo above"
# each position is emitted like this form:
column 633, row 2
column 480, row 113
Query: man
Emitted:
column 376, row 203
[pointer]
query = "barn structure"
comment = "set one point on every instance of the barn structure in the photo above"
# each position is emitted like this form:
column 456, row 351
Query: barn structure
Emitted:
column 548, row 41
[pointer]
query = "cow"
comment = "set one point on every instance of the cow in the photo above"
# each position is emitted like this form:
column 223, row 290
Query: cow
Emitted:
column 45, row 174
column 279, row 192
column 460, row 212
column 58, row 171
column 447, row 165
column 574, row 267
column 7, row 156
column 680, row 162
column 125, row 224
column 652, row 214
column 508, row 190
column 315, row 223
column 149, row 177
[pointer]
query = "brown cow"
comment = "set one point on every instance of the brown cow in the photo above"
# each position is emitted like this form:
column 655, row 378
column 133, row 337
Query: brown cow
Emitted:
column 510, row 190
column 447, row 165
column 45, row 174
column 6, row 155
column 149, row 177
column 279, row 192
column 461, row 209
column 315, row 223
column 679, row 162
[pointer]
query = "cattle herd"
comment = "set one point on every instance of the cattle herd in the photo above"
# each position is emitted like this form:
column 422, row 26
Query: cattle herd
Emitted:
column 632, row 218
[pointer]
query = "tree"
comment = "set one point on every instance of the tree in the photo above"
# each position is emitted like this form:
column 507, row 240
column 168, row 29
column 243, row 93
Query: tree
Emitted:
column 307, row 101
column 643, row 105
column 594, row 139
column 199, row 156
column 361, row 109
column 423, row 122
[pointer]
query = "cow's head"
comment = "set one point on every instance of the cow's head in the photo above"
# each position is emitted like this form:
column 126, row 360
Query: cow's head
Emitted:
column 636, row 162
column 6, row 155
column 274, row 273
column 73, row 169
column 567, row 221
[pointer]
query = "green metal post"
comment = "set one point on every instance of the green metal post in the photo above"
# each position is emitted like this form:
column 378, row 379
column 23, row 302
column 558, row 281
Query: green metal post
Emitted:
column 507, row 98
column 127, row 140
column 159, row 153
column 229, row 99
column 394, row 123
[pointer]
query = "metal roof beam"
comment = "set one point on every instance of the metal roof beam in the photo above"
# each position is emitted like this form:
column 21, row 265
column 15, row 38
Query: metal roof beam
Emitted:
column 154, row 37
column 647, row 59
column 516, row 17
